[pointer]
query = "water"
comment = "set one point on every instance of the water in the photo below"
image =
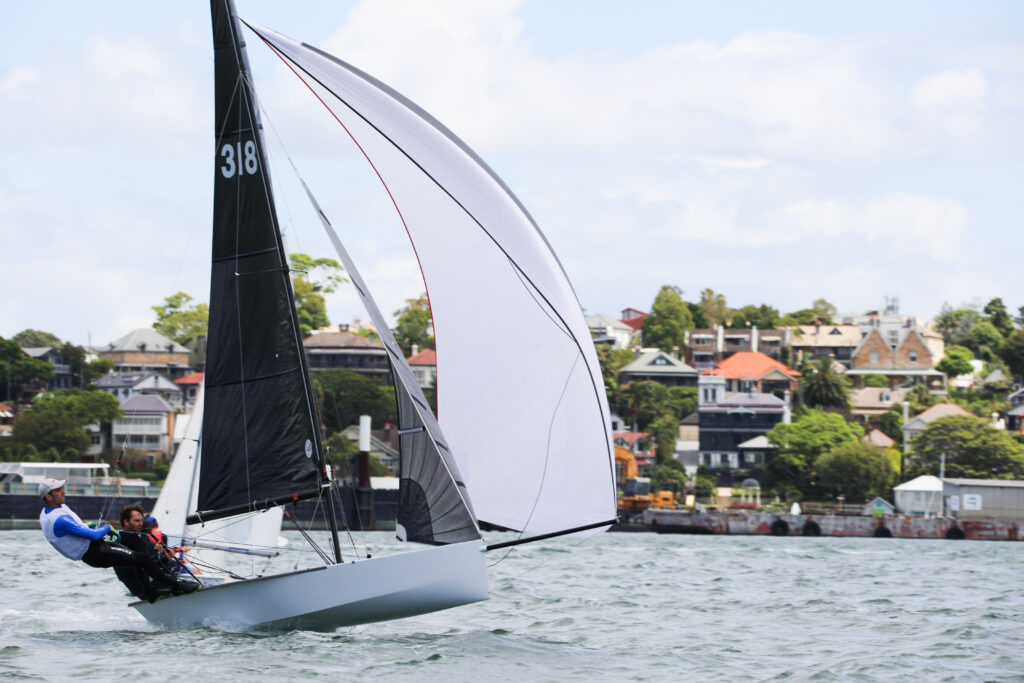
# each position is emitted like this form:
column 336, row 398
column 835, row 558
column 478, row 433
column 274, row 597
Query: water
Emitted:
column 614, row 607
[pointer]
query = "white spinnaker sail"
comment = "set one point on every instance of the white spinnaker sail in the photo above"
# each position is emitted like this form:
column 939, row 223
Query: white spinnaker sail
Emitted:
column 178, row 498
column 520, row 393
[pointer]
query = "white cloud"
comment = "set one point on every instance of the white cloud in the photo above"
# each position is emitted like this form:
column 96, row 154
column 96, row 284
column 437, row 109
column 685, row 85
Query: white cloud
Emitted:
column 963, row 88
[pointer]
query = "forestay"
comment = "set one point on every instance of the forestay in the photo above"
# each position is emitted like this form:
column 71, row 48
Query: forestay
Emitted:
column 520, row 393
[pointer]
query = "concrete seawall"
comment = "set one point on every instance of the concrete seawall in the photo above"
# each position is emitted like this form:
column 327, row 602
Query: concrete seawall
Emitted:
column 767, row 523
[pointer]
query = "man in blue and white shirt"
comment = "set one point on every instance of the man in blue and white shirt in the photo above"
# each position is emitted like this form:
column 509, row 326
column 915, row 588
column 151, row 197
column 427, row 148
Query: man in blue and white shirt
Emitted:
column 76, row 541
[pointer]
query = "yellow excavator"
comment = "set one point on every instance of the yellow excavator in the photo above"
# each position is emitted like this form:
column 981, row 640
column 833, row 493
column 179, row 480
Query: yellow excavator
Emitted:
column 636, row 490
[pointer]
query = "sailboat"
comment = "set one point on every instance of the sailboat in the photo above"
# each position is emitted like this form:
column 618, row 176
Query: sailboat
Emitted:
column 523, row 443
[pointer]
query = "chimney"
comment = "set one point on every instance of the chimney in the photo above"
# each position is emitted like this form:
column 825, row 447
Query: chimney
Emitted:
column 415, row 349
column 787, row 415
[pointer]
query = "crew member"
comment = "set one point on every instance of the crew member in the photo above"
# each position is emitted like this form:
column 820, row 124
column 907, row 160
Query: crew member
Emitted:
column 75, row 541
column 132, row 536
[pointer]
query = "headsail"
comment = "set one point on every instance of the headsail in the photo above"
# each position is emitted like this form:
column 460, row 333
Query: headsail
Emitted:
column 533, row 442
column 433, row 506
column 260, row 436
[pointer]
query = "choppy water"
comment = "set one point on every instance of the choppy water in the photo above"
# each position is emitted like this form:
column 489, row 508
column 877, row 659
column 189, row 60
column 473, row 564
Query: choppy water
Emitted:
column 614, row 607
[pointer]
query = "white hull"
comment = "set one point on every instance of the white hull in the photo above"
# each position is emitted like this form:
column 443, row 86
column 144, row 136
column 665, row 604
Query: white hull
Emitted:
column 388, row 587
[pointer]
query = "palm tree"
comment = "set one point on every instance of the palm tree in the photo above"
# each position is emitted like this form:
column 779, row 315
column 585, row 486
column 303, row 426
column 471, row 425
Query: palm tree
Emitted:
column 823, row 387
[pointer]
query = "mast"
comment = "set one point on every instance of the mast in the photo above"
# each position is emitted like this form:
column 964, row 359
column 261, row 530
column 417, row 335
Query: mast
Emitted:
column 261, row 430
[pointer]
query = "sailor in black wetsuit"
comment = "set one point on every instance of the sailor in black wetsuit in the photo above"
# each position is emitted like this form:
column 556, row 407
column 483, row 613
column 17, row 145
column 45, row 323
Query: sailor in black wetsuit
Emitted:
column 136, row 578
column 75, row 541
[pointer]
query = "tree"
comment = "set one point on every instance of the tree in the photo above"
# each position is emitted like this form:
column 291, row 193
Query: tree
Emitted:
column 973, row 450
column 81, row 407
column 18, row 370
column 984, row 339
column 36, row 338
column 801, row 442
column 891, row 424
column 344, row 395
column 669, row 320
column 179, row 321
column 1012, row 352
column 612, row 360
column 826, row 311
column 97, row 368
column 805, row 316
column 682, row 401
column 665, row 431
column 699, row 321
column 715, row 309
column 956, row 362
column 824, row 387
column 413, row 325
column 642, row 401
column 763, row 317
column 45, row 430
column 998, row 316
column 877, row 381
column 314, row 278
column 856, row 470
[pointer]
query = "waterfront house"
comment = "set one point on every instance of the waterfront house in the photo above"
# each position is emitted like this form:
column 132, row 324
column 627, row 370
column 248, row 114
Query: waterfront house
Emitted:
column 904, row 355
column 1015, row 415
column 336, row 347
column 147, row 425
column 637, row 443
column 125, row 385
column 605, row 329
column 189, row 385
column 383, row 444
column 877, row 437
column 63, row 377
column 6, row 419
column 730, row 424
column 707, row 347
column 919, row 423
column 747, row 371
column 868, row 404
column 834, row 341
column 145, row 350
column 661, row 367
column 424, row 366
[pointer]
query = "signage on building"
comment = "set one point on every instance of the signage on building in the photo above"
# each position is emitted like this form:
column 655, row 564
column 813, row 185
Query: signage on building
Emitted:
column 972, row 501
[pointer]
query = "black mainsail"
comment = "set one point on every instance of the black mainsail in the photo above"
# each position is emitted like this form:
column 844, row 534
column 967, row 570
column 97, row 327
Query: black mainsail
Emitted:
column 260, row 440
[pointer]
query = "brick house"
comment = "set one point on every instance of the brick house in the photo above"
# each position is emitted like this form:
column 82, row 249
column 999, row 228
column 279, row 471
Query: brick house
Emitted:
column 903, row 355
column 706, row 347
column 337, row 347
column 146, row 350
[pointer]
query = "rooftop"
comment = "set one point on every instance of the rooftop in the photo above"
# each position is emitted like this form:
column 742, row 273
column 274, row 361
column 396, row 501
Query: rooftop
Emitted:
column 144, row 339
column 424, row 357
column 194, row 378
column 749, row 365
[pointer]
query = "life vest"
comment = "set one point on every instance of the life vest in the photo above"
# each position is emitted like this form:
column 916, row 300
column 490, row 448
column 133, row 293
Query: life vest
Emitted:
column 71, row 547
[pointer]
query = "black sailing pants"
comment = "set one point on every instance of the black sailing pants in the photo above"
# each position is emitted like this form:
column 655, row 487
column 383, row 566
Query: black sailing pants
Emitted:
column 104, row 554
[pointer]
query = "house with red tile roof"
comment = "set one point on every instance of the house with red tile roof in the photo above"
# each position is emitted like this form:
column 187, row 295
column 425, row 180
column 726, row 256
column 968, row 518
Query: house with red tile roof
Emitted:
column 190, row 387
column 424, row 367
column 747, row 371
column 633, row 317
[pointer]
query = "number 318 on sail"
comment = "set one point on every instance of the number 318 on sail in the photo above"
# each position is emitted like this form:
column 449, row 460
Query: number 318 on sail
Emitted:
column 246, row 162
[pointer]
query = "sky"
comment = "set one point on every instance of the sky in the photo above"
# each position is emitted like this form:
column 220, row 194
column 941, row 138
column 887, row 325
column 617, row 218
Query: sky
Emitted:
column 774, row 152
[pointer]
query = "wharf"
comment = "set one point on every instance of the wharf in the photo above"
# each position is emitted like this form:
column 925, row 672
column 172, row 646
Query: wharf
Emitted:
column 689, row 521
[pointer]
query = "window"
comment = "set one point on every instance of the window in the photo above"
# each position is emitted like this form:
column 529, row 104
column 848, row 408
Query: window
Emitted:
column 874, row 357
column 913, row 356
